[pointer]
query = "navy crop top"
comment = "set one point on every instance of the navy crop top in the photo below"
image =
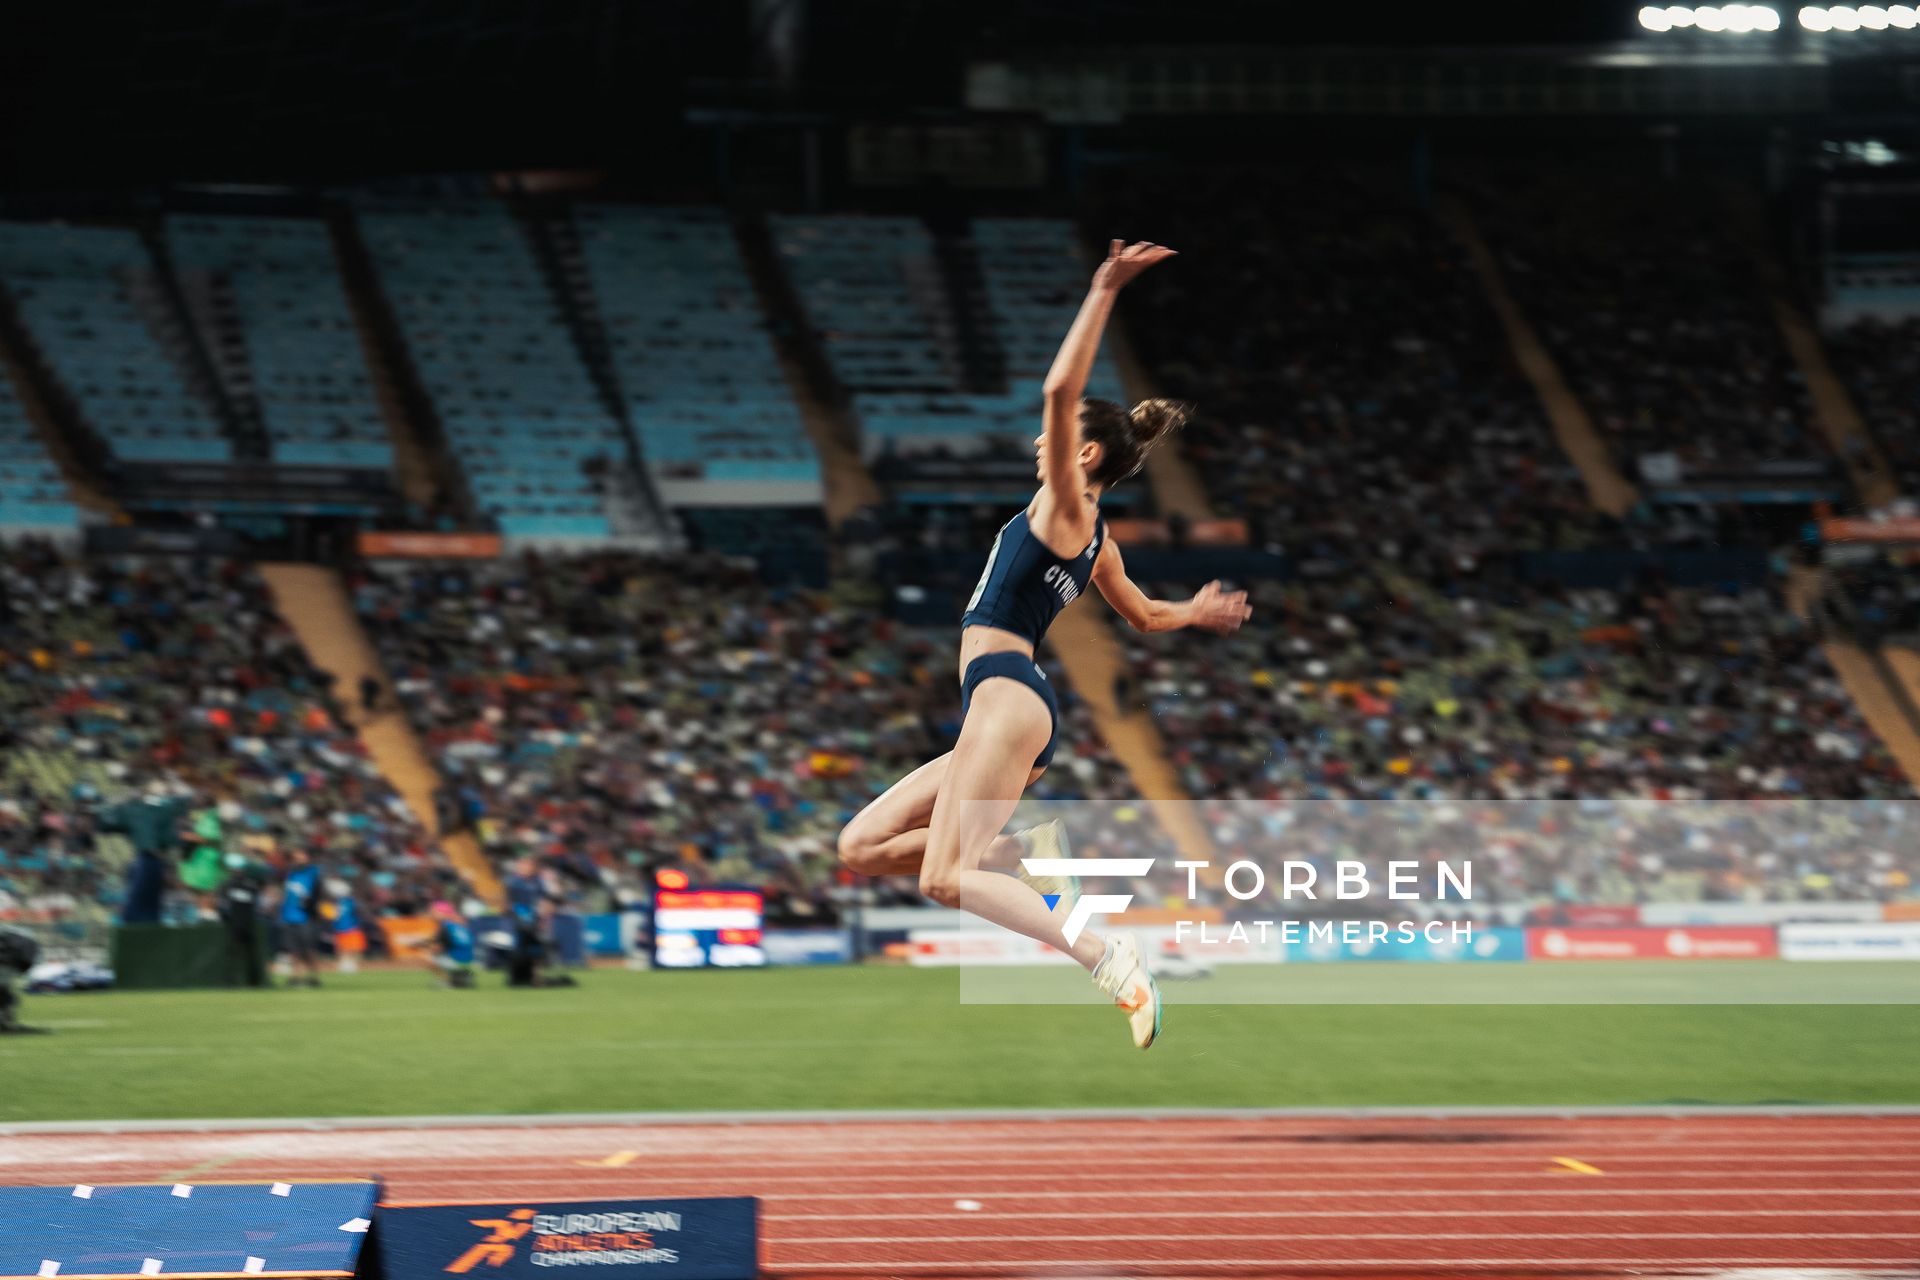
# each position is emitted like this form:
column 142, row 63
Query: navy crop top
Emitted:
column 1025, row 585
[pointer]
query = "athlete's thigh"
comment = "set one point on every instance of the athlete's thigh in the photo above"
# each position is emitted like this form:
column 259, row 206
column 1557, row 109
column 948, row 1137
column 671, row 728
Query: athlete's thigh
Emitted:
column 1006, row 728
column 907, row 805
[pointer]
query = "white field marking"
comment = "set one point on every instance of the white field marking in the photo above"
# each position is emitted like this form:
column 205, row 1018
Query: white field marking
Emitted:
column 1201, row 1215
column 1347, row 1235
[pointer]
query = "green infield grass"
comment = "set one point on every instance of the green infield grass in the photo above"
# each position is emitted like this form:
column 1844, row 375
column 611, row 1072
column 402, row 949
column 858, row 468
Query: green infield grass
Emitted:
column 387, row 1043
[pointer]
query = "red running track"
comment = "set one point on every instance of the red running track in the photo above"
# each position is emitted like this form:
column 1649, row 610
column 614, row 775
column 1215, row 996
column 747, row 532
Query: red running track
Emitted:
column 1290, row 1196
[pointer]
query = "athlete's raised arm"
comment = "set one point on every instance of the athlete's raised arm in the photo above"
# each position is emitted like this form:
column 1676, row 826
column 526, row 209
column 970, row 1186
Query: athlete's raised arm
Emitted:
column 1067, row 380
column 1210, row 609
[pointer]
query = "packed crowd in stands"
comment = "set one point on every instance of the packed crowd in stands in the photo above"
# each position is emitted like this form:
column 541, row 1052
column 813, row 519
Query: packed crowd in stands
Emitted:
column 610, row 714
column 1880, row 364
column 161, row 678
column 1524, row 860
column 618, row 714
column 1637, row 744
column 1878, row 597
column 1376, row 685
column 1672, row 347
column 1355, row 393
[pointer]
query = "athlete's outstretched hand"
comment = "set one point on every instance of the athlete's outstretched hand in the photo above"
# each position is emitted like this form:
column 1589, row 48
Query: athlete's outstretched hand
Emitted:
column 1124, row 262
column 1220, row 611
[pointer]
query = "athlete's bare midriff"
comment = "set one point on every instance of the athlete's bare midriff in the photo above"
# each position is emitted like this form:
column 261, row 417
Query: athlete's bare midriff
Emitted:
column 977, row 641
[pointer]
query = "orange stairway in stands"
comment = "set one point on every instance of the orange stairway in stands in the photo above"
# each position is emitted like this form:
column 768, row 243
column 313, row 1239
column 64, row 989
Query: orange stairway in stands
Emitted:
column 314, row 602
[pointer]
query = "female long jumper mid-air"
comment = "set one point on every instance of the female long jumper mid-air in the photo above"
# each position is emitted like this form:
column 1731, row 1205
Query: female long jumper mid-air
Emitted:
column 944, row 819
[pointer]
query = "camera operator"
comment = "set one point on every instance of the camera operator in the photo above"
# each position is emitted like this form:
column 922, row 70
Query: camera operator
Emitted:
column 17, row 954
column 240, row 913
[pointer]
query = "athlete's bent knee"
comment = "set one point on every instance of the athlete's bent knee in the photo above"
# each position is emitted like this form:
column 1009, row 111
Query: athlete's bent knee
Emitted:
column 859, row 852
column 942, row 886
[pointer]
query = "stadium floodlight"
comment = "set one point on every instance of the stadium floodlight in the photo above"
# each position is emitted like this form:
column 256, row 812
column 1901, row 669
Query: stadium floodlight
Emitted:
column 1816, row 19
column 1654, row 18
column 1903, row 16
column 1679, row 15
column 1739, row 18
column 1709, row 18
column 1764, row 19
column 1844, row 17
column 1873, row 17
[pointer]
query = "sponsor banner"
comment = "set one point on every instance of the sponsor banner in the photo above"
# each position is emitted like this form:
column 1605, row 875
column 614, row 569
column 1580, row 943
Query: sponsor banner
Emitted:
column 1702, row 913
column 1891, row 529
column 1897, row 911
column 1213, row 943
column 1200, row 533
column 806, row 946
column 612, row 933
column 430, row 546
column 1707, row 942
column 409, row 937
column 718, row 927
column 1434, row 941
column 714, row 1239
column 1850, row 941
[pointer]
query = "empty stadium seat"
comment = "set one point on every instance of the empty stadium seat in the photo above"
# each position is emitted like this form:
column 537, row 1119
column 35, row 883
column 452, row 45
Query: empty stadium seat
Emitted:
column 79, row 290
column 497, row 358
column 690, row 346
column 303, row 361
column 32, row 493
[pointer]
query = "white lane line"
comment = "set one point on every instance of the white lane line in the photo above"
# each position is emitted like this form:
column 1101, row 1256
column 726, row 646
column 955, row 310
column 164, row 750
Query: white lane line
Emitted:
column 1468, row 1154
column 706, row 1177
column 1478, row 1236
column 1201, row 1215
column 1898, row 1150
column 967, row 1265
column 1588, row 1190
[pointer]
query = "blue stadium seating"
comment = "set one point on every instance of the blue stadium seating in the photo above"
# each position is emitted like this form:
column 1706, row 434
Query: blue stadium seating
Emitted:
column 690, row 347
column 495, row 355
column 866, row 284
column 32, row 493
column 1036, row 280
column 79, row 291
column 858, row 278
column 303, row 356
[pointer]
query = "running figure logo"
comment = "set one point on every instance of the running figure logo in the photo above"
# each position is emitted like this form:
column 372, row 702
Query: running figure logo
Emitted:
column 497, row 1249
column 1090, row 904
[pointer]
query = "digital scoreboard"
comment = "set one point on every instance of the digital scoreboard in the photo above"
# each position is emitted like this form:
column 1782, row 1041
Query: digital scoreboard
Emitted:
column 708, row 928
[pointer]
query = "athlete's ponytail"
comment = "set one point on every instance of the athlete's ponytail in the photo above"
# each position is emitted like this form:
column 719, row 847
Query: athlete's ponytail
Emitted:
column 1126, row 436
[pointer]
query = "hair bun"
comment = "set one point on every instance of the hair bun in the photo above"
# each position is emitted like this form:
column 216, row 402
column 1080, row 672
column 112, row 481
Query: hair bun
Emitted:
column 1154, row 420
